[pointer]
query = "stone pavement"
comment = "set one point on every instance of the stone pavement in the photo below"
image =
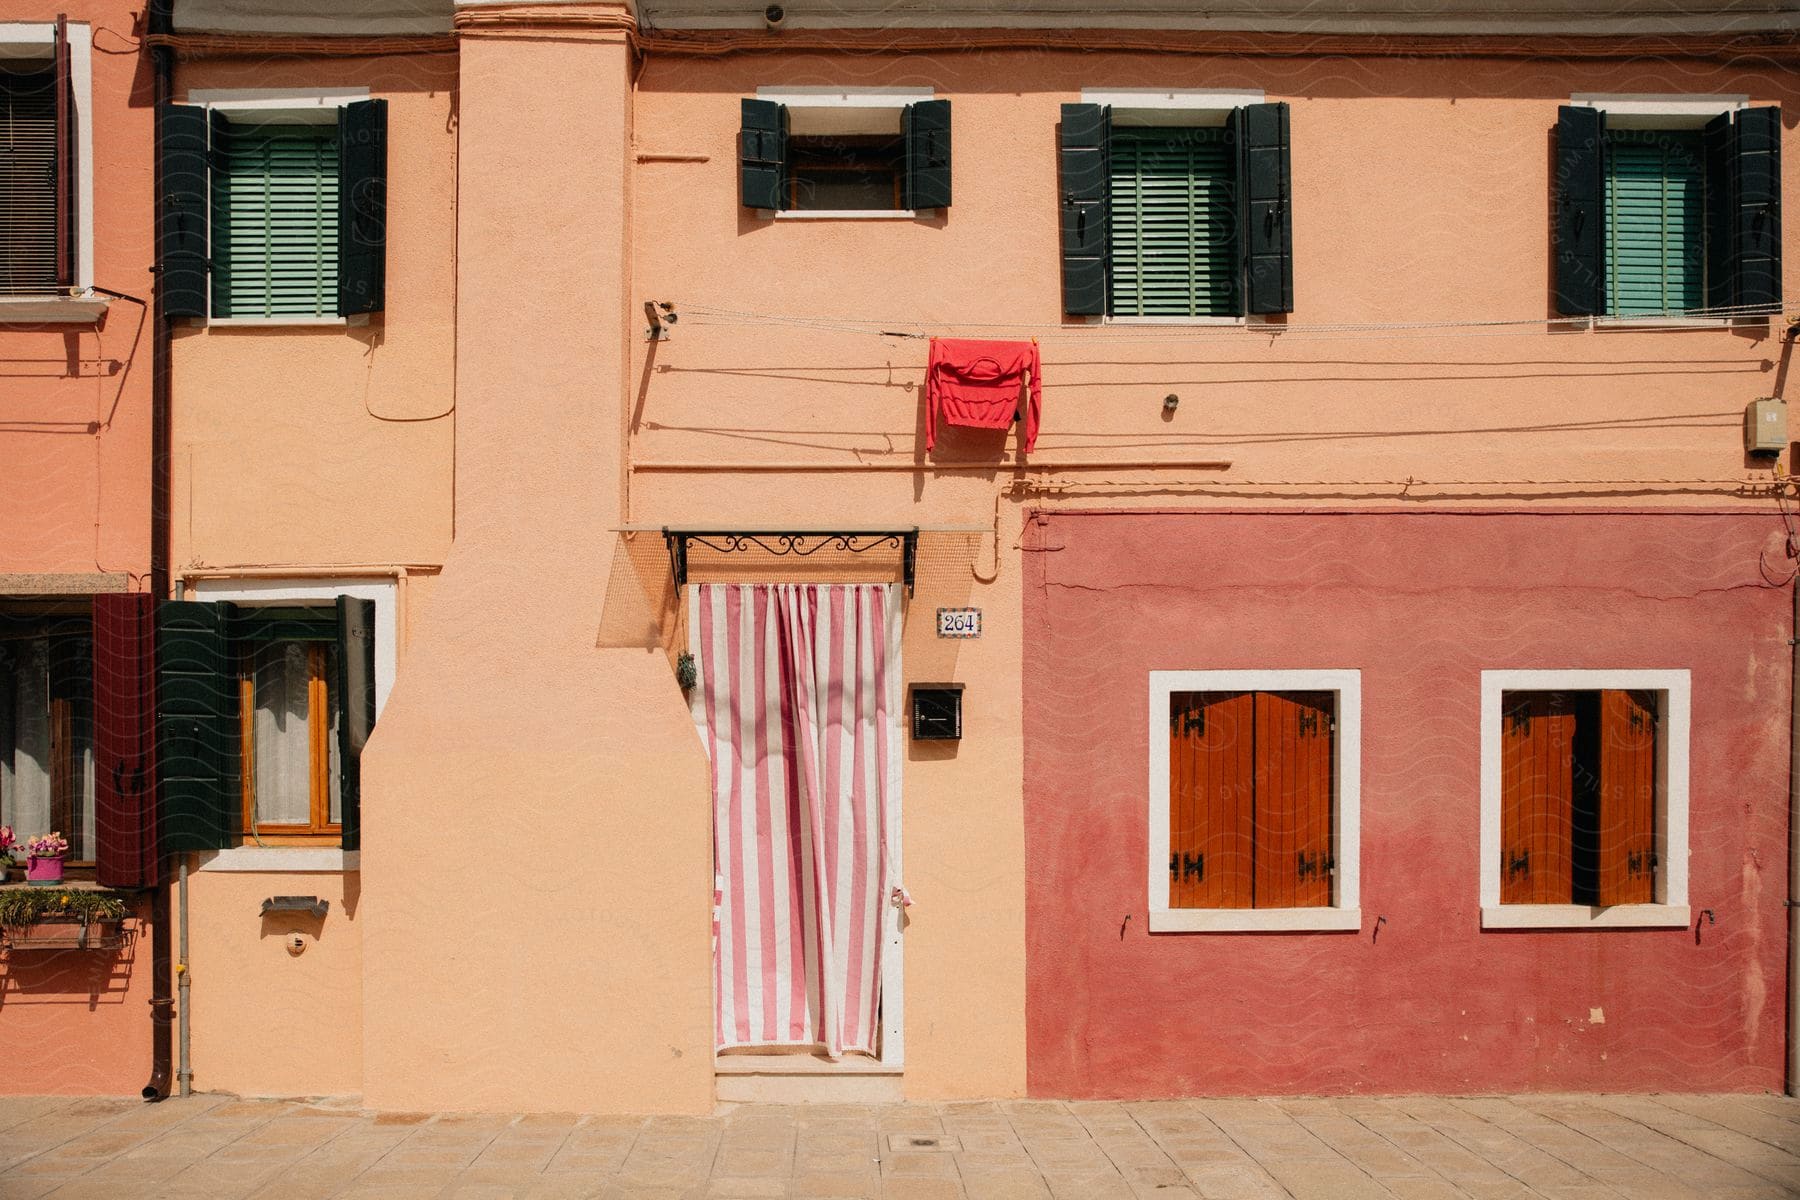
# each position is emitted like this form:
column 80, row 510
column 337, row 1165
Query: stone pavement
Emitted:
column 1418, row 1148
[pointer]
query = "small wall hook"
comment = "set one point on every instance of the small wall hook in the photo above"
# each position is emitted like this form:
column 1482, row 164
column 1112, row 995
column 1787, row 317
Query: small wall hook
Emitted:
column 1375, row 936
column 1698, row 923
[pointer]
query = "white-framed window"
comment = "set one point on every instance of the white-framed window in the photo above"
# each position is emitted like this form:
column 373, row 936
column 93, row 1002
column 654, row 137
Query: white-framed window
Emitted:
column 837, row 152
column 1255, row 800
column 1584, row 798
column 294, row 204
column 47, row 173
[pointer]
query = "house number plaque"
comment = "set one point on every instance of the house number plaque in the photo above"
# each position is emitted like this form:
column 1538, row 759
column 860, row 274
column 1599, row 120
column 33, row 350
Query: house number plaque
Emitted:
column 959, row 622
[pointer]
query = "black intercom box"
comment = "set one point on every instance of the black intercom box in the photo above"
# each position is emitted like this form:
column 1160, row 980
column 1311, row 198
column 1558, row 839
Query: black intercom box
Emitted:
column 937, row 712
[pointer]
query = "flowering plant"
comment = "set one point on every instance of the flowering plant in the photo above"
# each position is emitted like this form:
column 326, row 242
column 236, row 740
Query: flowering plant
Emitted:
column 6, row 840
column 48, row 845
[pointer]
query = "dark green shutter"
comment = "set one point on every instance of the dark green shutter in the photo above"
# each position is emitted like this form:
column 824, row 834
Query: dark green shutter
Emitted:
column 762, row 154
column 1578, row 219
column 1084, row 174
column 354, row 692
column 362, row 207
column 1266, row 223
column 198, row 727
column 182, row 205
column 927, row 129
column 1755, row 210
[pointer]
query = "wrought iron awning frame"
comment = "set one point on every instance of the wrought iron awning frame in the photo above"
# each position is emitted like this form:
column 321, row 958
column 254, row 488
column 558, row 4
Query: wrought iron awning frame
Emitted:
column 784, row 543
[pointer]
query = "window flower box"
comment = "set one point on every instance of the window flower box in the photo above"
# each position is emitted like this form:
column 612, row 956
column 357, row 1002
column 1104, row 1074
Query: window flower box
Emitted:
column 61, row 919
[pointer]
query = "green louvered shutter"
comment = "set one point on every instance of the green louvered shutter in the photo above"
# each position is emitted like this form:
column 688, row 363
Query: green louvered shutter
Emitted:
column 1755, row 212
column 197, row 727
column 182, row 148
column 1174, row 223
column 926, row 126
column 1655, row 207
column 762, row 154
column 1084, row 181
column 362, row 207
column 1265, row 207
column 275, row 222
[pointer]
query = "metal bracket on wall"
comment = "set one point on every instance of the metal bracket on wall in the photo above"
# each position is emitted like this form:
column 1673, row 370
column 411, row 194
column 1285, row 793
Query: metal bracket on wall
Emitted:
column 794, row 543
column 311, row 905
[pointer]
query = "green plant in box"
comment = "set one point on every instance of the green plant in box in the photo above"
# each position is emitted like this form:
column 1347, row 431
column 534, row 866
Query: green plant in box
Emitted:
column 34, row 906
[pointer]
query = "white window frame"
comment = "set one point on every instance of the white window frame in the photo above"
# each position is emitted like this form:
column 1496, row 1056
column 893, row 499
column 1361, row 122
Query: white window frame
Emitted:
column 36, row 39
column 844, row 97
column 265, row 592
column 1629, row 110
column 1166, row 108
column 274, row 106
column 1670, row 908
column 1345, row 912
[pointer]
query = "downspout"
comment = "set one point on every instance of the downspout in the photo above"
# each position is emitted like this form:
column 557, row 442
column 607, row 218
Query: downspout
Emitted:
column 1793, row 893
column 161, row 1000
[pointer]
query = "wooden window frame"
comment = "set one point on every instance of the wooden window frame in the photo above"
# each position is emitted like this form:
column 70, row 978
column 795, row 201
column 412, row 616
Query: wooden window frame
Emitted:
column 320, row 827
column 1344, row 913
column 1670, row 907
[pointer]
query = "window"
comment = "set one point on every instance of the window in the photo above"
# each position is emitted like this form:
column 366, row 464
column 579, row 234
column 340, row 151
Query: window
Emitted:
column 1584, row 795
column 275, row 221
column 1667, row 207
column 45, row 181
column 845, row 153
column 1255, row 800
column 1175, row 206
column 47, row 730
column 291, row 767
column 274, row 206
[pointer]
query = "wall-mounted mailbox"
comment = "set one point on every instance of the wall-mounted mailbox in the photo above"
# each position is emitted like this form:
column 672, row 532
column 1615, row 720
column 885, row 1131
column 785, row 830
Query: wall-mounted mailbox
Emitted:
column 312, row 906
column 937, row 712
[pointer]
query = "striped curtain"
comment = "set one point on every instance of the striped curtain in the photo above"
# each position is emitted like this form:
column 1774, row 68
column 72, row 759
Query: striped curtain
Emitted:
column 797, row 703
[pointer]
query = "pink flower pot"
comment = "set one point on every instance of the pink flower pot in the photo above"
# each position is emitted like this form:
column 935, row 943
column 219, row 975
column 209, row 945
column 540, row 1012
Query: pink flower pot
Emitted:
column 43, row 871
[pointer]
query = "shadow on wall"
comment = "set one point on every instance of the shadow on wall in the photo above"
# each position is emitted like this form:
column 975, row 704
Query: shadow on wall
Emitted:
column 91, row 978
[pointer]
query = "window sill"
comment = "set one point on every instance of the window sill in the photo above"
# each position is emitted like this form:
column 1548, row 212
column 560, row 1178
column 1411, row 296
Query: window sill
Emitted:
column 1583, row 916
column 284, row 859
column 266, row 322
column 841, row 214
column 52, row 310
column 1612, row 324
column 1255, row 920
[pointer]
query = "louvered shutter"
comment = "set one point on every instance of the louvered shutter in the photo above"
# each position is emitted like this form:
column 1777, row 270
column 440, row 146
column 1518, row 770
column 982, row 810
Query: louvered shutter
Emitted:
column 1174, row 223
column 926, row 126
column 362, row 207
column 762, row 154
column 1655, row 205
column 1537, row 741
column 125, row 740
column 182, row 140
column 1716, row 141
column 275, row 222
column 354, row 694
column 28, row 183
column 1211, row 799
column 1755, row 207
column 63, row 67
column 1084, row 173
column 1626, row 812
column 1265, row 208
column 1578, row 219
column 198, row 727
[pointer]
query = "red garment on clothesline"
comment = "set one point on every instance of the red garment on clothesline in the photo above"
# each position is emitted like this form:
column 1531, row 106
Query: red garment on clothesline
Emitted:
column 984, row 385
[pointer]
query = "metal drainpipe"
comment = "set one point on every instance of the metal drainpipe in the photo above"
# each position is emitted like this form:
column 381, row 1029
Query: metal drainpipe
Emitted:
column 162, row 70
column 185, row 1073
column 1793, row 896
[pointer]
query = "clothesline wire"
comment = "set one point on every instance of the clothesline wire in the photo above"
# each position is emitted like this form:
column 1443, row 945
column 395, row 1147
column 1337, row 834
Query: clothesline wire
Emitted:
column 698, row 315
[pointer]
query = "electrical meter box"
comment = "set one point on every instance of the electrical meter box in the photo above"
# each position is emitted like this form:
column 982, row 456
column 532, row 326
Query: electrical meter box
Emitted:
column 1765, row 427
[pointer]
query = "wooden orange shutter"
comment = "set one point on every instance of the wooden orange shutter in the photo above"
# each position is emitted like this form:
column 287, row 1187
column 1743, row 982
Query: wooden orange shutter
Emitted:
column 1210, row 799
column 1293, row 800
column 1627, row 808
column 1537, row 739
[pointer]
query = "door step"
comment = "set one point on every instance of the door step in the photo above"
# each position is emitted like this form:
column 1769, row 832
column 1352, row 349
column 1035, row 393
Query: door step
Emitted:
column 803, row 1079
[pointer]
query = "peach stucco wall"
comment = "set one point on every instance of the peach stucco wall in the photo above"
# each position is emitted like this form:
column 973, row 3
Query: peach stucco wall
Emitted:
column 75, row 399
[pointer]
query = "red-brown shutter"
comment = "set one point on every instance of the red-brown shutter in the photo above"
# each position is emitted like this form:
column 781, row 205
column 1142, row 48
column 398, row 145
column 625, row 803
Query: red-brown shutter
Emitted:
column 1211, row 799
column 1627, row 809
column 125, row 740
column 1293, row 800
column 1537, row 738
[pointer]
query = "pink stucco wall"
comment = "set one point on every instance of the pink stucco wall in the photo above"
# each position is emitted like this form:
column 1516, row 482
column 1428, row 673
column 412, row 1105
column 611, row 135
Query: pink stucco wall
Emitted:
column 77, row 1022
column 1421, row 604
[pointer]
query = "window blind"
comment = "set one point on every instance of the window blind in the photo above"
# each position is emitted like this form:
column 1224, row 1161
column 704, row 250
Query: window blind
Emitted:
column 275, row 222
column 1655, row 206
column 1173, row 223
column 28, row 181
